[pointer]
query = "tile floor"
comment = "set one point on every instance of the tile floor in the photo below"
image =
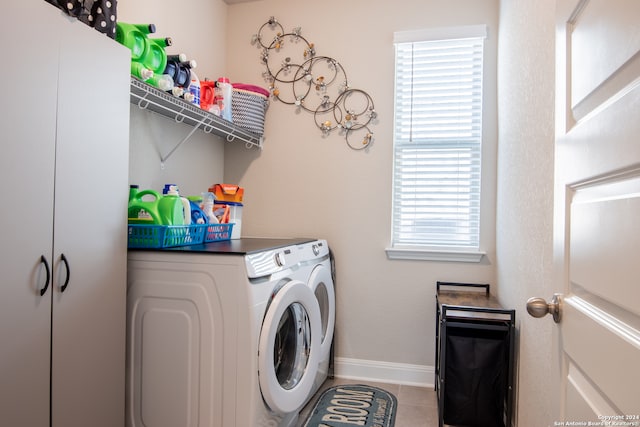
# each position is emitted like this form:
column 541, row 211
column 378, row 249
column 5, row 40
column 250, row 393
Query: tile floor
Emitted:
column 417, row 406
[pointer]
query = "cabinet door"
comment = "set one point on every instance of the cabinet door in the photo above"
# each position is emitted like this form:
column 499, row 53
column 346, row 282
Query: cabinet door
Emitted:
column 89, row 314
column 176, row 348
column 27, row 123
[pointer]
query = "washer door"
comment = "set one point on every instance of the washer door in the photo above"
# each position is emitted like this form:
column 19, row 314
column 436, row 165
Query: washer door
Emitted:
column 289, row 347
column 321, row 283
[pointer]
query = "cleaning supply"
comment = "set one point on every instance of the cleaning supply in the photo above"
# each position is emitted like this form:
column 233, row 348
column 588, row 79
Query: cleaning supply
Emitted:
column 225, row 103
column 162, row 81
column 133, row 190
column 232, row 213
column 181, row 57
column 194, row 89
column 174, row 210
column 208, row 97
column 208, row 200
column 134, row 36
column 180, row 71
column 221, row 211
column 140, row 71
column 143, row 206
column 197, row 214
column 227, row 192
column 155, row 57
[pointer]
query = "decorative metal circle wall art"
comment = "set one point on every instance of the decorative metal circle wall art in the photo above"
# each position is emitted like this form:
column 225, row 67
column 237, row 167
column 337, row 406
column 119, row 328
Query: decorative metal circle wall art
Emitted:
column 297, row 76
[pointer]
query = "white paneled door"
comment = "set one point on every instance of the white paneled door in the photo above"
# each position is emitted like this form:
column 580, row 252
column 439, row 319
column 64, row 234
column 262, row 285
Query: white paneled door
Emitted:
column 597, row 212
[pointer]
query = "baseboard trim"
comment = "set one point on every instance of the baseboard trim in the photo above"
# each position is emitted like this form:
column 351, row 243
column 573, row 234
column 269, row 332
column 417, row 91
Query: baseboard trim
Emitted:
column 384, row 372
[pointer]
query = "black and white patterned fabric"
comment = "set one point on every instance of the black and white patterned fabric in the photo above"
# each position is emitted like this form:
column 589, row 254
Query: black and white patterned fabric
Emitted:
column 99, row 14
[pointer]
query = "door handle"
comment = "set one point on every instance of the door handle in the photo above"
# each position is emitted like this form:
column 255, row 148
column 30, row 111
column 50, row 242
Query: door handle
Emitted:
column 66, row 265
column 43, row 260
column 539, row 307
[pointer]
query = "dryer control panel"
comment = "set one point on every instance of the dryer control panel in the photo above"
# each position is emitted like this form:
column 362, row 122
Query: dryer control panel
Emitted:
column 270, row 261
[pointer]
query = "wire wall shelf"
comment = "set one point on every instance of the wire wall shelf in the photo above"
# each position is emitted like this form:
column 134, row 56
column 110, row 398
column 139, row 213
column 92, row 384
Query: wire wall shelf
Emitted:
column 147, row 97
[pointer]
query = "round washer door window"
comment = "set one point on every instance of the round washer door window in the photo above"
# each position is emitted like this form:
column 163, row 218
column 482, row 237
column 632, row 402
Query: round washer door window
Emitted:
column 289, row 347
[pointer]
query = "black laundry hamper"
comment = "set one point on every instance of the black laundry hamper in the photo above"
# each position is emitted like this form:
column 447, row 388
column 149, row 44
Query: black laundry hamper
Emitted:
column 476, row 373
column 474, row 357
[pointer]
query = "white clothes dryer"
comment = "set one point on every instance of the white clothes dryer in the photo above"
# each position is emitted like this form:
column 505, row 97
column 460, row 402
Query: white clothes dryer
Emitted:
column 227, row 333
column 321, row 283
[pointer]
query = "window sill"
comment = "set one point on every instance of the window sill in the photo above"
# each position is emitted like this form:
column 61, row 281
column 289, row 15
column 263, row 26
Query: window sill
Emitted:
column 434, row 255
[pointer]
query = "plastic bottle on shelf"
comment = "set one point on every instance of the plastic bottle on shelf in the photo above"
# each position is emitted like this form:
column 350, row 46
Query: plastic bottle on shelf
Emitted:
column 181, row 57
column 225, row 90
column 140, row 71
column 155, row 57
column 208, row 97
column 134, row 36
column 194, row 89
column 161, row 81
column 180, row 69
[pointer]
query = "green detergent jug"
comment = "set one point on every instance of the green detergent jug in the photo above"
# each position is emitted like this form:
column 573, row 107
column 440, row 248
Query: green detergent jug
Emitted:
column 151, row 208
column 134, row 36
column 171, row 210
column 174, row 210
column 155, row 57
column 144, row 210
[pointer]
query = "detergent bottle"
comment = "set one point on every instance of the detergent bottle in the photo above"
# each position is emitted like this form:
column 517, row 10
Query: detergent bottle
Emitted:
column 208, row 97
column 134, row 36
column 180, row 69
column 194, row 89
column 154, row 56
column 143, row 206
column 197, row 215
column 161, row 81
column 174, row 210
column 140, row 71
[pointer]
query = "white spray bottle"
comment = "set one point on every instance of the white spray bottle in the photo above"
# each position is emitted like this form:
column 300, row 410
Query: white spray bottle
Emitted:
column 207, row 206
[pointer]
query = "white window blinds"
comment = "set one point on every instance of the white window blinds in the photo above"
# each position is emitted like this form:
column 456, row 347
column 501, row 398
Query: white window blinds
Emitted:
column 437, row 143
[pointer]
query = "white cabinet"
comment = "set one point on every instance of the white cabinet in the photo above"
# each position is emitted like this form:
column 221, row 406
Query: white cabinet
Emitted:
column 182, row 344
column 63, row 171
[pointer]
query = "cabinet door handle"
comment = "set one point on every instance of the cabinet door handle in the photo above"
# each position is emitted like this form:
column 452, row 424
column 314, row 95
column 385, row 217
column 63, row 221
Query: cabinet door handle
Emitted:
column 66, row 265
column 43, row 260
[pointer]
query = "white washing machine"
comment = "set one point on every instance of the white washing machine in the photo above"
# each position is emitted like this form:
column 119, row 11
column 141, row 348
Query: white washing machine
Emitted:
column 227, row 333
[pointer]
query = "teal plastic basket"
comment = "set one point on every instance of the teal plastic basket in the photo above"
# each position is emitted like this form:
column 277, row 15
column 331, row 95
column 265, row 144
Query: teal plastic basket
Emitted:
column 218, row 232
column 165, row 236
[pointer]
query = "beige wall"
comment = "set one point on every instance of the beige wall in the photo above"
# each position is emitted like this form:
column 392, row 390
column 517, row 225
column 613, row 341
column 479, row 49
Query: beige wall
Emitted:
column 304, row 184
column 525, row 191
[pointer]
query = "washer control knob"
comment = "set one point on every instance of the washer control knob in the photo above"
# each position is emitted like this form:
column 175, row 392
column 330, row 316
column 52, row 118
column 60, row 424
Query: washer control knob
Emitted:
column 279, row 259
column 316, row 249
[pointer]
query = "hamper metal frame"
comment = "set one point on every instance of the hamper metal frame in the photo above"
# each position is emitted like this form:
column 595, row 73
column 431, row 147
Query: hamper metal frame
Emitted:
column 479, row 311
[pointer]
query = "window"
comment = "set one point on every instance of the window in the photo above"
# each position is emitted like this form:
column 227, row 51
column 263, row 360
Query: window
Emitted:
column 437, row 144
